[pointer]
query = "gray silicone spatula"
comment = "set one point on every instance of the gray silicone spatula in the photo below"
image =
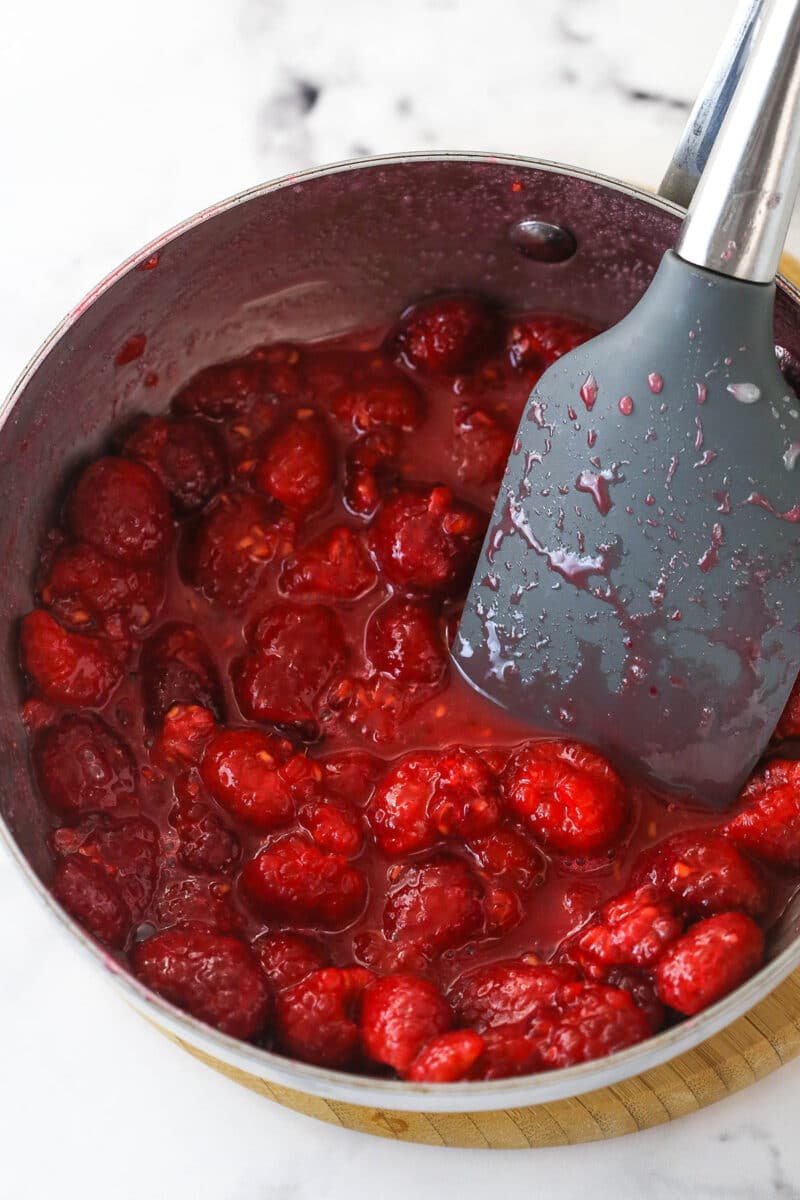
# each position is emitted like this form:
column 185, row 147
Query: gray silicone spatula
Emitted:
column 639, row 586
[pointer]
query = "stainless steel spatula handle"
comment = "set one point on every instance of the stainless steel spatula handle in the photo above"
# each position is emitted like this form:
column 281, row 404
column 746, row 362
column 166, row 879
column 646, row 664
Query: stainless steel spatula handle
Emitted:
column 740, row 212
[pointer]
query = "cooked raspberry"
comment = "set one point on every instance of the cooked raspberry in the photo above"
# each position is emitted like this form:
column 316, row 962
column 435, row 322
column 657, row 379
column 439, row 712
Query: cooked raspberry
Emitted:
column 703, row 873
column 399, row 1015
column 87, row 591
column 447, row 1058
column 789, row 724
column 196, row 902
column 589, row 1021
column 351, row 775
column 503, row 909
column 185, row 455
column 398, row 810
column 447, row 333
column 568, row 796
column 127, row 850
column 67, row 668
column 641, row 989
column 427, row 540
column 337, row 563
column 372, row 949
column 507, row 855
column 295, row 653
column 768, row 823
column 226, row 389
column 224, row 556
column 206, row 843
column 367, row 470
column 538, row 341
column 335, row 827
column 286, row 958
column 375, row 706
column 184, row 735
column 634, row 929
column 211, row 976
column 296, row 467
column 244, row 435
column 295, row 880
column 482, row 445
column 122, row 508
column 434, row 906
column 316, row 1017
column 177, row 667
column 403, row 639
column 466, row 800
column 82, row 766
column 509, row 1051
column 508, row 994
column 710, row 960
column 93, row 899
column 391, row 399
column 242, row 768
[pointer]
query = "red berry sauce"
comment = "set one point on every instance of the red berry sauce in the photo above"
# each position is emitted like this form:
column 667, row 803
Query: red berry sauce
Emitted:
column 270, row 795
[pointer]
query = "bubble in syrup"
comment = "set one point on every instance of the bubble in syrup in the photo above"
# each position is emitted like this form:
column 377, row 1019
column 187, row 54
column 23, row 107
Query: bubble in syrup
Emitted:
column 625, row 405
column 655, row 382
column 589, row 391
column 745, row 393
column 791, row 456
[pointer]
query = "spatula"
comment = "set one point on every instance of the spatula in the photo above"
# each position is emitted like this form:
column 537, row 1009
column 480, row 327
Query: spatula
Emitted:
column 639, row 585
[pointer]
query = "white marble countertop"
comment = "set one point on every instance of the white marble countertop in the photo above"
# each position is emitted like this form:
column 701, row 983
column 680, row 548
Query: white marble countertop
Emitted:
column 118, row 121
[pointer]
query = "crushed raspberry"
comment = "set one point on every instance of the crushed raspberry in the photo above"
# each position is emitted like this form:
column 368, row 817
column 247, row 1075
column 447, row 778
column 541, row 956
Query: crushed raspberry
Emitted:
column 703, row 873
column 185, row 455
column 789, row 724
column 93, row 899
column 82, row 766
column 427, row 541
column 206, row 843
column 211, row 976
column 351, row 776
column 316, row 1018
column 434, row 906
column 243, row 771
column 295, row 651
column 369, row 464
column 294, row 879
column 538, row 341
column 335, row 564
column 507, row 855
column 375, row 706
column 392, row 400
column 88, row 592
column 335, row 827
column 642, row 990
column 447, row 334
column 447, row 1058
column 226, row 553
column 286, row 958
column 567, row 795
column 589, row 1021
column 297, row 466
column 66, row 668
column 177, row 667
column 466, row 800
column 633, row 929
column 713, row 958
column 126, row 850
column 404, row 640
column 481, row 445
column 399, row 1015
column 198, row 902
column 768, row 823
column 121, row 508
column 183, row 736
column 228, row 389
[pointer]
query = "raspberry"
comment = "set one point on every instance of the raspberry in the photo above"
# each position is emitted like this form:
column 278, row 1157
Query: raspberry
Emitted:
column 336, row 564
column 242, row 768
column 398, row 811
column 211, row 976
column 335, row 827
column 286, row 958
column 83, row 766
column 206, row 843
column 67, row 668
column 403, row 640
column 589, row 1021
column 375, row 706
column 633, row 929
column 434, row 906
column 297, row 466
column 427, row 540
column 315, row 1017
column 703, row 874
column 391, row 400
column 399, row 1015
column 446, row 334
column 127, row 851
column 481, row 447
column 539, row 341
column 88, row 592
column 296, row 651
column 185, row 455
column 789, row 724
column 184, row 735
column 710, row 960
column 351, row 775
column 768, row 824
column 507, row 855
column 368, row 465
column 295, row 880
column 567, row 795
column 122, row 509
column 507, row 995
column 177, row 667
column 91, row 897
column 466, row 801
column 226, row 389
column 447, row 1058
column 195, row 902
column 224, row 556
column 641, row 989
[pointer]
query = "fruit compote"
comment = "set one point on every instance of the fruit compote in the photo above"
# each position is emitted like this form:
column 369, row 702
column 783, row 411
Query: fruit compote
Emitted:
column 269, row 793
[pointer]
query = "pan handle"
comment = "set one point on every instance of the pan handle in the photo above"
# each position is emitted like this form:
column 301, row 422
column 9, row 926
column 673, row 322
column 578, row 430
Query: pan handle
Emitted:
column 691, row 153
